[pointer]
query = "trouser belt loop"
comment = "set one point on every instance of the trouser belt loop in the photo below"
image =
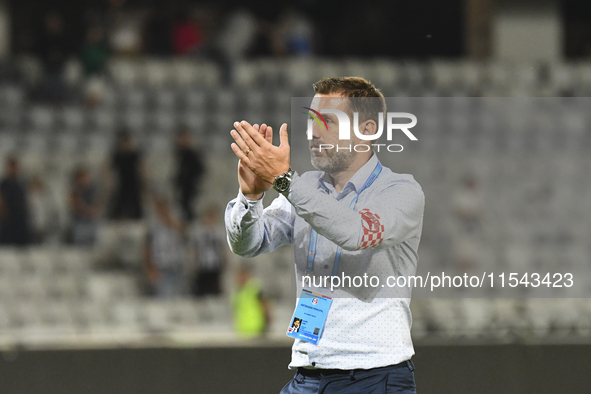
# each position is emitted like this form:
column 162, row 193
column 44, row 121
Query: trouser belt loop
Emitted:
column 300, row 378
column 411, row 365
column 352, row 374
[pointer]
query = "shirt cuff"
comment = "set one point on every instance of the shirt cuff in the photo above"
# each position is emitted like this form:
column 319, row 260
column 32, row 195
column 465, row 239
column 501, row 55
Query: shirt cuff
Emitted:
column 243, row 212
column 249, row 203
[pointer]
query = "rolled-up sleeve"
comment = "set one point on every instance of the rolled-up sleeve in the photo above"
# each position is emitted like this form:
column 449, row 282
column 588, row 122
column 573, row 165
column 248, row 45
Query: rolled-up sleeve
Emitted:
column 391, row 216
column 252, row 230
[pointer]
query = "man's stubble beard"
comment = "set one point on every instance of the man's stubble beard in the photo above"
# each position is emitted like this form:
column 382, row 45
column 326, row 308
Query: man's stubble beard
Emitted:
column 332, row 161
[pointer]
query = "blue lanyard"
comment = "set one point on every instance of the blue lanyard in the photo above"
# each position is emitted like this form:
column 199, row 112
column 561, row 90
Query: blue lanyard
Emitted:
column 314, row 235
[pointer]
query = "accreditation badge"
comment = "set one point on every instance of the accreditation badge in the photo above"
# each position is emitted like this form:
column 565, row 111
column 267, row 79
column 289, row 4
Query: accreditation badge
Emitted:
column 309, row 317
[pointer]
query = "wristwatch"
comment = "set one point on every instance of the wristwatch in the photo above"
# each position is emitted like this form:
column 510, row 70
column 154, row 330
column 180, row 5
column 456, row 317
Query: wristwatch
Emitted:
column 283, row 182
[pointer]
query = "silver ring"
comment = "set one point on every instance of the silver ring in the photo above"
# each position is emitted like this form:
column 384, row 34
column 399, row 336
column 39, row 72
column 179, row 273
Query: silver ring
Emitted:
column 247, row 152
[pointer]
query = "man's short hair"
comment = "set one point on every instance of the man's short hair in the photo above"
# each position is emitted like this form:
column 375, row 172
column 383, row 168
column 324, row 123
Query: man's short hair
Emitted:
column 371, row 101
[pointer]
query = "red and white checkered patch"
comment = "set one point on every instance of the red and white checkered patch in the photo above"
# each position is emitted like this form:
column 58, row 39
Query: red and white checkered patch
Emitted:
column 373, row 230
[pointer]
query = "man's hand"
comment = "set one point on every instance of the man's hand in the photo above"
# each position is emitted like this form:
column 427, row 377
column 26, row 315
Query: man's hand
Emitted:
column 251, row 185
column 258, row 154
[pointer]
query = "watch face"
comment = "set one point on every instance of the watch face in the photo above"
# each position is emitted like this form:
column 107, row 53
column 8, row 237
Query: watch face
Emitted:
column 282, row 184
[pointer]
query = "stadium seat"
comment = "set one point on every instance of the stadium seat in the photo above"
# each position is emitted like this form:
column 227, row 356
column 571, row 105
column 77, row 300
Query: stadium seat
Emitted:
column 246, row 74
column 299, row 73
column 387, row 75
column 104, row 120
column 183, row 312
column 165, row 99
column 156, row 72
column 208, row 74
column 5, row 319
column 165, row 122
column 135, row 120
column 91, row 316
column 135, row 99
column 196, row 100
column 6, row 289
column 41, row 118
column 184, row 73
column 11, row 262
column 157, row 314
column 73, row 118
column 128, row 316
column 125, row 73
column 31, row 69
column 41, row 261
column 561, row 77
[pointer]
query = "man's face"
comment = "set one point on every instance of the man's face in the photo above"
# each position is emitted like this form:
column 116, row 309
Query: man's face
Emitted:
column 84, row 179
column 243, row 276
column 12, row 168
column 330, row 160
column 183, row 140
column 126, row 144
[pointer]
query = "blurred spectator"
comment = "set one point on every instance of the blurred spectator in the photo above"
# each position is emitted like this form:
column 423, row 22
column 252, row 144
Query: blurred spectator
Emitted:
column 94, row 91
column 294, row 35
column 85, row 208
column 209, row 247
column 94, row 56
column 127, row 168
column 14, row 207
column 164, row 253
column 53, row 51
column 44, row 215
column 238, row 34
column 251, row 311
column 468, row 211
column 189, row 172
column 264, row 39
column 187, row 37
column 125, row 28
column 235, row 40
column 94, row 52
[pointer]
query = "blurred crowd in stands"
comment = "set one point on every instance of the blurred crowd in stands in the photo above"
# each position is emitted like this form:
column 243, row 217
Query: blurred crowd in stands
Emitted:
column 28, row 214
column 92, row 33
column 180, row 236
column 113, row 29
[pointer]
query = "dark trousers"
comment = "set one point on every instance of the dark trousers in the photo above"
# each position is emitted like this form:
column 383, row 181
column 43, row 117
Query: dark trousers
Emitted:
column 127, row 205
column 397, row 379
column 207, row 283
column 187, row 197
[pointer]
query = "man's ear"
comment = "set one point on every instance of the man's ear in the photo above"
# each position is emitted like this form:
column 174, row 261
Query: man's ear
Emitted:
column 369, row 127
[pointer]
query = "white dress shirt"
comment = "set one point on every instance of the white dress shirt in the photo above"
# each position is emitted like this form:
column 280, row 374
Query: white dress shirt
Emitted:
column 366, row 327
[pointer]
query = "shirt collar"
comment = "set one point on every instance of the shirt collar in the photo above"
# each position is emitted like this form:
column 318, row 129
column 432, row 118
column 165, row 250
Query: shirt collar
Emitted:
column 357, row 181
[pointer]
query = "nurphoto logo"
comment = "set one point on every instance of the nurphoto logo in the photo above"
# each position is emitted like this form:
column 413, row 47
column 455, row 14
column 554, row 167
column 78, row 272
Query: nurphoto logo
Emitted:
column 345, row 128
